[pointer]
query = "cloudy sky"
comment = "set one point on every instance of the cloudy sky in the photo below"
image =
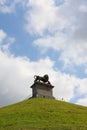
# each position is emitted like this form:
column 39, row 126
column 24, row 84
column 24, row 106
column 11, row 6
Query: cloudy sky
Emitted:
column 40, row 37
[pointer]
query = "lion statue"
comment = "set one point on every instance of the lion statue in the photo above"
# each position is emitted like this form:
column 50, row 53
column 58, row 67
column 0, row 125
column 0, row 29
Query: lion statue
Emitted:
column 44, row 79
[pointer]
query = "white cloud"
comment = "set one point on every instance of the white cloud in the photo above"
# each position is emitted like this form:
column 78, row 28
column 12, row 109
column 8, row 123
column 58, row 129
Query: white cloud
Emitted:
column 13, row 78
column 5, row 47
column 8, row 6
column 75, row 45
column 74, row 54
column 83, row 8
column 5, row 41
column 82, row 86
column 86, row 71
column 56, row 41
column 82, row 101
column 65, row 85
column 67, row 27
column 41, row 16
column 2, row 35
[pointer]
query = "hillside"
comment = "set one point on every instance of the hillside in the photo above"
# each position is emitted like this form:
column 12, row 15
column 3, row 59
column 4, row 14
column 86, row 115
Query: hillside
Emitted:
column 43, row 114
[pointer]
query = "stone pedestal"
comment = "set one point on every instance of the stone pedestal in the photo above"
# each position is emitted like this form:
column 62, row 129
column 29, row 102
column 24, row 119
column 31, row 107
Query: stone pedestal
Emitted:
column 40, row 89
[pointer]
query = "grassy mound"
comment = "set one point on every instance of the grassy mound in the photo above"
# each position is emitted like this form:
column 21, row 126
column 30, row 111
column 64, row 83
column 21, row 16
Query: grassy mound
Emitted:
column 43, row 114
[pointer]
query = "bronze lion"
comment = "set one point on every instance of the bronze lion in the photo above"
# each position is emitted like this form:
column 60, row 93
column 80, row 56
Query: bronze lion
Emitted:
column 44, row 79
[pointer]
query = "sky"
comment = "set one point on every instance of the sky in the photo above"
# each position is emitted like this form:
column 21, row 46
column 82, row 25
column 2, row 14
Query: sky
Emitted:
column 40, row 37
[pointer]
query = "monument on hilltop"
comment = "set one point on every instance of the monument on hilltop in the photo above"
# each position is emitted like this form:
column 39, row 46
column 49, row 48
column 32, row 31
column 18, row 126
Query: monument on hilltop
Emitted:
column 42, row 87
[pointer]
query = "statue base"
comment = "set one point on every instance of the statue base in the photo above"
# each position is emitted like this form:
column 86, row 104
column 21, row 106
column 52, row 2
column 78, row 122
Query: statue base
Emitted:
column 42, row 90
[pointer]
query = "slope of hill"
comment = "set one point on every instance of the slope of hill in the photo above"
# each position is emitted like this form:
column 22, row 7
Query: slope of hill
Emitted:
column 43, row 114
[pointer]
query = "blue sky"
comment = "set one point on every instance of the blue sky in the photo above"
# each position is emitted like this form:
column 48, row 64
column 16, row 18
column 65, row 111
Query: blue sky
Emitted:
column 43, row 36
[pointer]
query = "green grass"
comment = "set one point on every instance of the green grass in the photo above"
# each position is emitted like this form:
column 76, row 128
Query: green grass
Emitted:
column 43, row 114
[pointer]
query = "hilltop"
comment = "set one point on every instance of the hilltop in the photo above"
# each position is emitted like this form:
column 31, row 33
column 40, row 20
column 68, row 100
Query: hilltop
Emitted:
column 43, row 114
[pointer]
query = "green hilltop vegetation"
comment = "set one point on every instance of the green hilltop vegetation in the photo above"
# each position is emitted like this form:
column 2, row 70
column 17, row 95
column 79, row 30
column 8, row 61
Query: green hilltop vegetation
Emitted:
column 43, row 114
